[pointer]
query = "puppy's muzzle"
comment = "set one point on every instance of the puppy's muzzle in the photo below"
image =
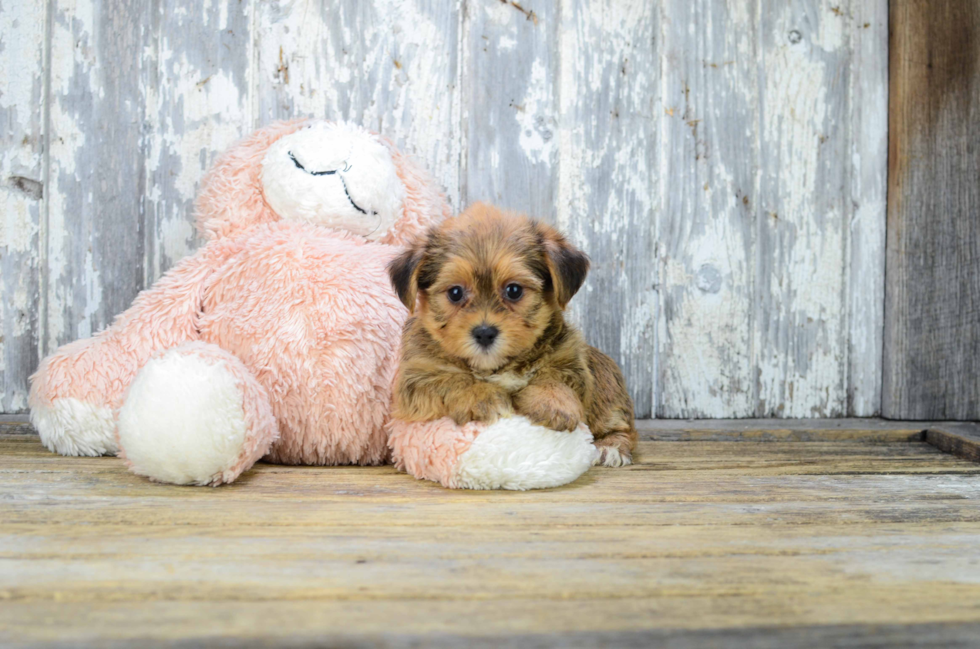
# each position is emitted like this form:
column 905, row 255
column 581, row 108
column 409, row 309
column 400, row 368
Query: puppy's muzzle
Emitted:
column 484, row 335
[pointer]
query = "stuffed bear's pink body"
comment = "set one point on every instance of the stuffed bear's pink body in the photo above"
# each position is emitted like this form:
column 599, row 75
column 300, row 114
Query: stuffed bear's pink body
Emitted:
column 331, row 363
column 301, row 315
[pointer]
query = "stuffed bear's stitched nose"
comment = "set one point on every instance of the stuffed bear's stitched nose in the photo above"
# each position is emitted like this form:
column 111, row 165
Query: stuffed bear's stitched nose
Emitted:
column 485, row 335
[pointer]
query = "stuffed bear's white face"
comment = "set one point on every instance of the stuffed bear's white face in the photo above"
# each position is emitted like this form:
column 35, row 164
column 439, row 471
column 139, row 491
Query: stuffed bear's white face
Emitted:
column 335, row 175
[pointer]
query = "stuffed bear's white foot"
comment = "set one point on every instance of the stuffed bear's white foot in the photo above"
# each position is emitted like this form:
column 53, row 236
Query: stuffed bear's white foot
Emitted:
column 194, row 415
column 513, row 453
column 73, row 427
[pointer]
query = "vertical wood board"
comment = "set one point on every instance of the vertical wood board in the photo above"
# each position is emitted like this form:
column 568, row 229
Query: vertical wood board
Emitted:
column 867, row 169
column 93, row 201
column 607, row 182
column 710, row 166
column 509, row 81
column 800, row 350
column 195, row 85
column 22, row 92
column 932, row 305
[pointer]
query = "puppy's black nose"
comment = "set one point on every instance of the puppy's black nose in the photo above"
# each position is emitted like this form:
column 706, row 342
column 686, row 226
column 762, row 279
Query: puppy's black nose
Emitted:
column 485, row 335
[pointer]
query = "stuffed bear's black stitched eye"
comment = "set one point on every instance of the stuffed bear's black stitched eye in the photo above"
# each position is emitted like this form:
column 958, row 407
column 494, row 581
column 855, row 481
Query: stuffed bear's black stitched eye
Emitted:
column 514, row 292
column 455, row 294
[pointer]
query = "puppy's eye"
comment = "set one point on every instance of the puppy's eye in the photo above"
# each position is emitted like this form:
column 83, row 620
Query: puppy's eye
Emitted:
column 514, row 292
column 455, row 294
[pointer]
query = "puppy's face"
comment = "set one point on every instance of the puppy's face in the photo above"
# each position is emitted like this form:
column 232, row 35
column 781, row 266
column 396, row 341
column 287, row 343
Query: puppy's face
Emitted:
column 487, row 283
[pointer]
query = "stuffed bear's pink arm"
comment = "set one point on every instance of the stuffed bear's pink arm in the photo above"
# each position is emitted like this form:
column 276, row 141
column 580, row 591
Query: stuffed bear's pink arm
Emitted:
column 77, row 388
column 512, row 453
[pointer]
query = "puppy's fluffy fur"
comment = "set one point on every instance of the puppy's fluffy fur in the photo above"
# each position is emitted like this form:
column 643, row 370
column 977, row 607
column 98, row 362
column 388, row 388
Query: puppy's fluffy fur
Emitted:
column 488, row 337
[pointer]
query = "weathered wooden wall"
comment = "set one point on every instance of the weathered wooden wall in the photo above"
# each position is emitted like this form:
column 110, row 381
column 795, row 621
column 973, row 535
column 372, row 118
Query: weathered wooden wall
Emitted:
column 932, row 325
column 722, row 161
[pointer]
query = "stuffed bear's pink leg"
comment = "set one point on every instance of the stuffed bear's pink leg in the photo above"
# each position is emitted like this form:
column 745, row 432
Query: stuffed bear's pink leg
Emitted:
column 512, row 453
column 195, row 415
column 77, row 388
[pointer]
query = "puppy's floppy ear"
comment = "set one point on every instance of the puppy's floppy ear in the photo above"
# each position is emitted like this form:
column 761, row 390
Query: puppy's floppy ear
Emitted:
column 404, row 273
column 567, row 265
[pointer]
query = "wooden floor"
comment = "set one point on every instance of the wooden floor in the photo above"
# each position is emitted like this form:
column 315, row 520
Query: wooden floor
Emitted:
column 748, row 537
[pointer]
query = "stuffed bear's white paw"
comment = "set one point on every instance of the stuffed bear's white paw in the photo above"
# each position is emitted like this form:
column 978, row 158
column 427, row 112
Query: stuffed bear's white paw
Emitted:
column 74, row 427
column 515, row 454
column 611, row 456
column 183, row 420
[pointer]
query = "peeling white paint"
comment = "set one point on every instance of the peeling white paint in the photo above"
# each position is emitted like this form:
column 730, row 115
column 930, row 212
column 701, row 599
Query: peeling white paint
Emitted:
column 799, row 335
column 688, row 145
column 534, row 116
column 21, row 186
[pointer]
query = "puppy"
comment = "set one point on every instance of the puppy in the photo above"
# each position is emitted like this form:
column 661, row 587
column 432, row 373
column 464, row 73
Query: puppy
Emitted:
column 488, row 337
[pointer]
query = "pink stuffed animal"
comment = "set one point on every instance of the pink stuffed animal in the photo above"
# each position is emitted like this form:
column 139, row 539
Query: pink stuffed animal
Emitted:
column 279, row 338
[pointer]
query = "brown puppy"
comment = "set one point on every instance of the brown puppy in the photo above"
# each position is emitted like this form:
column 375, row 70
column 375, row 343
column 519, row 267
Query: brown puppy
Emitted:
column 490, row 338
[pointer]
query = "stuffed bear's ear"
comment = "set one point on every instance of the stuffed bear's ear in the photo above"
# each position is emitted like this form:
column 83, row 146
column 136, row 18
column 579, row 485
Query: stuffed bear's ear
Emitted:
column 567, row 265
column 404, row 273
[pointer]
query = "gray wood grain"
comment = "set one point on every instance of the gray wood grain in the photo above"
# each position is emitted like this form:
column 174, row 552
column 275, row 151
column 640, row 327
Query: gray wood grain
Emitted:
column 95, row 251
column 195, row 85
column 962, row 439
column 950, row 635
column 22, row 29
column 867, row 169
column 771, row 230
column 608, row 184
column 710, row 165
column 799, row 347
column 932, row 304
column 509, row 82
column 722, row 162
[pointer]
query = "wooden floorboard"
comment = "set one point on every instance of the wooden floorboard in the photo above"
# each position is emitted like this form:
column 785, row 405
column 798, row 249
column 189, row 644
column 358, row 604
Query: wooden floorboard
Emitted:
column 858, row 541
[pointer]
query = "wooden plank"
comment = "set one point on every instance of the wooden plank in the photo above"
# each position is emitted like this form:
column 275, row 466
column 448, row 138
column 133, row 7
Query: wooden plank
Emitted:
column 932, row 304
column 962, row 439
column 95, row 179
column 771, row 229
column 773, row 456
column 22, row 95
column 391, row 68
column 783, row 430
column 196, row 65
column 316, row 623
column 698, row 542
column 867, row 171
column 710, row 164
column 802, row 233
column 509, row 102
column 732, row 430
column 608, row 147
column 15, row 425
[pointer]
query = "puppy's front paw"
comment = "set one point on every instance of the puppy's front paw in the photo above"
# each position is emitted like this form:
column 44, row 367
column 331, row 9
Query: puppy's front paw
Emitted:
column 552, row 405
column 484, row 404
column 612, row 456
column 554, row 419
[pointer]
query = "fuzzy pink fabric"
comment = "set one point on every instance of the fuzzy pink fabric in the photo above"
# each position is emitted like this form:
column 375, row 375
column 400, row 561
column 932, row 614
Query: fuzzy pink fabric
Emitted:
column 421, row 194
column 261, row 428
column 430, row 450
column 231, row 199
column 98, row 370
column 308, row 312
